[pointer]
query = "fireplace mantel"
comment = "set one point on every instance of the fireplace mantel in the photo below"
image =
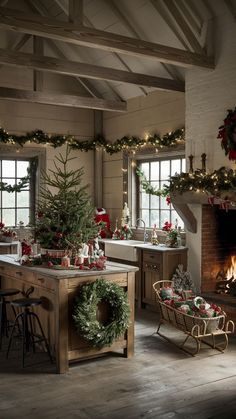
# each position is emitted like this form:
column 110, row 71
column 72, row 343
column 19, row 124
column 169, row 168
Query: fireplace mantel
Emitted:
column 181, row 202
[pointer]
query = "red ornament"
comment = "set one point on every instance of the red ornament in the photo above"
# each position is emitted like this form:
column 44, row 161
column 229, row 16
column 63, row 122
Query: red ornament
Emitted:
column 50, row 264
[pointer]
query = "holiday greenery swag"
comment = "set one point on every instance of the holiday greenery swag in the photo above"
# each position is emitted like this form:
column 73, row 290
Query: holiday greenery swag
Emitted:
column 220, row 181
column 85, row 312
column 227, row 134
column 127, row 142
column 65, row 218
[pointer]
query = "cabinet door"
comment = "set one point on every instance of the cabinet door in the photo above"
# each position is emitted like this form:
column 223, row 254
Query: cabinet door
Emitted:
column 148, row 294
column 151, row 273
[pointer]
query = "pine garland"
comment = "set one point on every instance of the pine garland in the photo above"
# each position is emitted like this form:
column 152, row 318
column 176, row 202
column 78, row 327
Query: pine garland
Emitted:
column 221, row 180
column 39, row 137
column 85, row 309
column 18, row 187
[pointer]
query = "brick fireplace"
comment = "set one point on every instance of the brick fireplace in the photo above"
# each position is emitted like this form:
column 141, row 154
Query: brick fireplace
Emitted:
column 218, row 243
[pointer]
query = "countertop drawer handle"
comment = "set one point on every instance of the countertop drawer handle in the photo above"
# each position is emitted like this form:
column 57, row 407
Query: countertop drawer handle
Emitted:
column 18, row 273
column 41, row 279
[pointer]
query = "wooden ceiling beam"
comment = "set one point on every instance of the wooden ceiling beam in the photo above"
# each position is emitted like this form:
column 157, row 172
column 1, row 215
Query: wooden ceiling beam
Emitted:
column 73, row 68
column 184, row 27
column 40, row 8
column 94, row 38
column 76, row 11
column 61, row 100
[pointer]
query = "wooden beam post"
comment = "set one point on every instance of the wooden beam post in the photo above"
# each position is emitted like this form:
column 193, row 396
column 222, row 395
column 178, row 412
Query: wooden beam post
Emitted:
column 38, row 75
column 98, row 162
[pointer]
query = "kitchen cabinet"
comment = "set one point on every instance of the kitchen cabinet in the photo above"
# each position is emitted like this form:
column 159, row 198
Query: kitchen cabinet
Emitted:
column 158, row 265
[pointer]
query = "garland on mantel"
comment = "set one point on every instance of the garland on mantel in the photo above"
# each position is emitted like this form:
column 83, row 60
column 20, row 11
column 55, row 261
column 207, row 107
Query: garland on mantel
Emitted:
column 212, row 184
column 39, row 137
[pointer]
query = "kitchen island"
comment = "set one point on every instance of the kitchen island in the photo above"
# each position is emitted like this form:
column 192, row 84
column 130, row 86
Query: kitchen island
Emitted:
column 58, row 289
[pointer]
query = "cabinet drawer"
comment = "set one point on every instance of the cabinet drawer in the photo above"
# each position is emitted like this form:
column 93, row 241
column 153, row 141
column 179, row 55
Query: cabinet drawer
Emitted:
column 27, row 277
column 152, row 257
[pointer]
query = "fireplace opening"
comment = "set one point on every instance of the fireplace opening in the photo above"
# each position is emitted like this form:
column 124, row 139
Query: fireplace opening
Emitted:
column 218, row 258
column 226, row 279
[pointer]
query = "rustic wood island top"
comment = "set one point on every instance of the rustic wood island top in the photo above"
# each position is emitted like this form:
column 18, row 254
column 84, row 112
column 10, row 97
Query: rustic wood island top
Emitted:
column 58, row 289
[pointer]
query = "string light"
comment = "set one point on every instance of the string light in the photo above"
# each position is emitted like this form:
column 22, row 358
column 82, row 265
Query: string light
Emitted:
column 125, row 143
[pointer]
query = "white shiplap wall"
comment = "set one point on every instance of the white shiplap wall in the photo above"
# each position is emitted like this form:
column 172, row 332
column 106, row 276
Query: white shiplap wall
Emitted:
column 208, row 96
column 158, row 112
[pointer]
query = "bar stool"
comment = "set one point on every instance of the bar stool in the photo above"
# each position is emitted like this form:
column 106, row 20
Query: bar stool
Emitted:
column 29, row 338
column 4, row 322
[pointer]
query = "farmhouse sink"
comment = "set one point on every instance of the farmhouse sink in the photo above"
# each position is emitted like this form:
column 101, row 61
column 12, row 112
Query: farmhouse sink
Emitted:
column 122, row 249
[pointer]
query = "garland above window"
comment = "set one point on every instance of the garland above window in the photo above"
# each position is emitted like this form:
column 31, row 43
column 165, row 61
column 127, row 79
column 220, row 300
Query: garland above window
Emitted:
column 39, row 137
column 221, row 180
column 227, row 134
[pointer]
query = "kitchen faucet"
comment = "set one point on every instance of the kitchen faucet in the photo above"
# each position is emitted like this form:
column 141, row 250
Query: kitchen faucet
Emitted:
column 145, row 235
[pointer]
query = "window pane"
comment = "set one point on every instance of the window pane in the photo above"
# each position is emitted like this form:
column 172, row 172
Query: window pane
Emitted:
column 183, row 165
column 8, row 217
column 8, row 200
column 155, row 201
column 23, row 215
column 165, row 216
column 23, row 199
column 165, row 169
column 163, row 203
column 175, row 167
column 145, row 217
column 144, row 201
column 8, row 168
column 145, row 169
column 9, row 181
column 22, row 168
column 155, row 170
column 175, row 217
column 154, row 218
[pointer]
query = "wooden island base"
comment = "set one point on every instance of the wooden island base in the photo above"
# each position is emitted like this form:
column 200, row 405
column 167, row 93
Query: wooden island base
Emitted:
column 58, row 289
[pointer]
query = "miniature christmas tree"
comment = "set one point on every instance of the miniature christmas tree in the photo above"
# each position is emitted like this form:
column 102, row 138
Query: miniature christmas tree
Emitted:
column 65, row 218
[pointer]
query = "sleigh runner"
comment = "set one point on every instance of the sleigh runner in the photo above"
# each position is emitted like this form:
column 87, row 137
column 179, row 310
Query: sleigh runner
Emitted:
column 213, row 331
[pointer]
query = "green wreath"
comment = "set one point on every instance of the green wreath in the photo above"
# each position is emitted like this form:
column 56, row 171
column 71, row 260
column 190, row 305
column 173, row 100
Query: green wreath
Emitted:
column 85, row 312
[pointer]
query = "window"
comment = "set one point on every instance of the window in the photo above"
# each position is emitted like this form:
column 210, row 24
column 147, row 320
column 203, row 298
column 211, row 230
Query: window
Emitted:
column 16, row 206
column 154, row 209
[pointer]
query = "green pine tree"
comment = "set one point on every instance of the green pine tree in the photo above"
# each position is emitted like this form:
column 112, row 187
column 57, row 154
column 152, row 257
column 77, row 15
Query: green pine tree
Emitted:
column 65, row 216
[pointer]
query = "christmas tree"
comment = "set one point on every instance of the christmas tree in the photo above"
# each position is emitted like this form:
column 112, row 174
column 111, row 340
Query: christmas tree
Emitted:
column 65, row 216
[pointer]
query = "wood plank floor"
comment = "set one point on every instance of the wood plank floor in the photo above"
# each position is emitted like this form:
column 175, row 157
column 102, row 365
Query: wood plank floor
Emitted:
column 160, row 381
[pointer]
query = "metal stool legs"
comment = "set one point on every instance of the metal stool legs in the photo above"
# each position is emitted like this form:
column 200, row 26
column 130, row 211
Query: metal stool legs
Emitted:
column 28, row 336
column 4, row 323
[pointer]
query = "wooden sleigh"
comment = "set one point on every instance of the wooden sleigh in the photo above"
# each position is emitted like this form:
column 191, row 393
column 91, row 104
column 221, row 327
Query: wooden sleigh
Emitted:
column 212, row 331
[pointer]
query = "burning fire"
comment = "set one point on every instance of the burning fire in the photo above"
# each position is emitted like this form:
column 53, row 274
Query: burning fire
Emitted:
column 231, row 272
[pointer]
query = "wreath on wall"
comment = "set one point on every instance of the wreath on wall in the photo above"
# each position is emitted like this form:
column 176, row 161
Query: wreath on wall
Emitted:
column 85, row 312
column 227, row 134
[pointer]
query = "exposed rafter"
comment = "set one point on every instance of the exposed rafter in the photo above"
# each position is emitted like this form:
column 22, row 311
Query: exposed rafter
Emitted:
column 61, row 100
column 194, row 23
column 165, row 16
column 40, row 8
column 231, row 7
column 182, row 24
column 87, row 22
column 73, row 68
column 76, row 11
column 79, row 35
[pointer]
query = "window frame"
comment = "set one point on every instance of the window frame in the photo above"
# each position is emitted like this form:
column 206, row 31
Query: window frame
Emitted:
column 130, row 178
column 30, row 154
